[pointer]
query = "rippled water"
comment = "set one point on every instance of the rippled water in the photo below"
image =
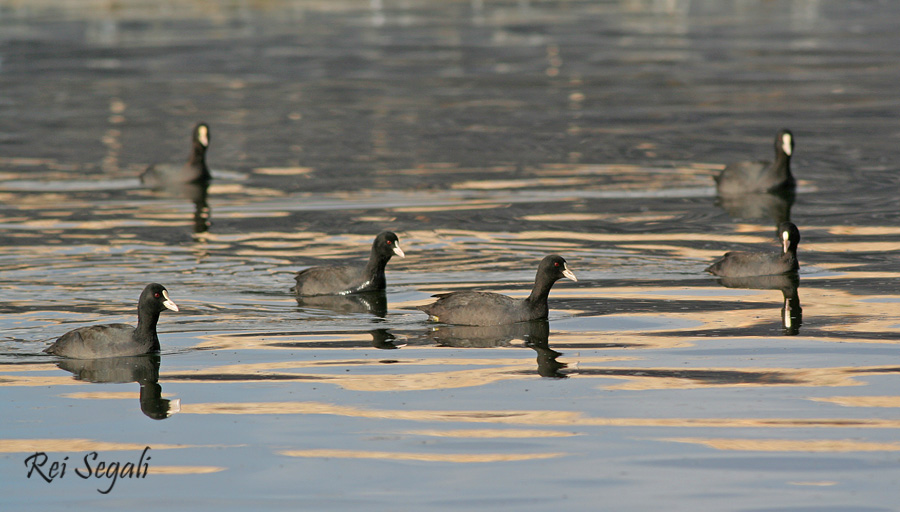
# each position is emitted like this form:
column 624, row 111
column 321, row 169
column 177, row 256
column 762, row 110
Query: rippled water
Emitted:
column 486, row 134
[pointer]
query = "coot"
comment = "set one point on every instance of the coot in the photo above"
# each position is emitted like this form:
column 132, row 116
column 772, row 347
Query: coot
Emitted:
column 194, row 171
column 487, row 308
column 115, row 340
column 345, row 279
column 745, row 177
column 742, row 263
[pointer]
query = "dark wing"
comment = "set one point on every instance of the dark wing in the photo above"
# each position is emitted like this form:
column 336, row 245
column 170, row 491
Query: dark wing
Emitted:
column 743, row 264
column 93, row 341
column 742, row 177
column 329, row 280
column 475, row 308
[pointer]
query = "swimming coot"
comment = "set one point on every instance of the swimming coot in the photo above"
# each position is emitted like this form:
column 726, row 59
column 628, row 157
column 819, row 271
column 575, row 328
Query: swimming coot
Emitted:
column 745, row 177
column 194, row 171
column 345, row 279
column 742, row 264
column 487, row 308
column 115, row 340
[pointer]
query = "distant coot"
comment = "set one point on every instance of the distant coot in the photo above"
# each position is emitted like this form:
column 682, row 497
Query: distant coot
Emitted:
column 747, row 177
column 193, row 171
column 743, row 264
column 487, row 308
column 115, row 340
column 345, row 279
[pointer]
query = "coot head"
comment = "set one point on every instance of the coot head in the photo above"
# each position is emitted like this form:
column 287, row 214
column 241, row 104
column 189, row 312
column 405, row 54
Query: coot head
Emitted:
column 201, row 135
column 155, row 299
column 387, row 244
column 554, row 267
column 784, row 142
column 790, row 237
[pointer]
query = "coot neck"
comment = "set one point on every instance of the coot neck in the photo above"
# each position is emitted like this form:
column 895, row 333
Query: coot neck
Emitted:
column 198, row 160
column 783, row 168
column 377, row 262
column 542, row 285
column 146, row 327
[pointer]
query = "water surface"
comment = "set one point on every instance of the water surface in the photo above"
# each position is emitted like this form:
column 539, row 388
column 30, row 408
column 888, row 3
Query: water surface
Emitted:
column 486, row 134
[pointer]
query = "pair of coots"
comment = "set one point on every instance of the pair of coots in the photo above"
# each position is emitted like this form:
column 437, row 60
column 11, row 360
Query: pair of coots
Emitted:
column 119, row 340
column 755, row 178
column 466, row 307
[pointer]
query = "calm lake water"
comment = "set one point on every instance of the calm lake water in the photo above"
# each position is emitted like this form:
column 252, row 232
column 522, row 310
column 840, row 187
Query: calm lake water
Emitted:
column 487, row 134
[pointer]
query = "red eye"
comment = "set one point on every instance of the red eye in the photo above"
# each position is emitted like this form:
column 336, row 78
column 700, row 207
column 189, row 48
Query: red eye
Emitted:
column 555, row 263
column 156, row 295
column 389, row 242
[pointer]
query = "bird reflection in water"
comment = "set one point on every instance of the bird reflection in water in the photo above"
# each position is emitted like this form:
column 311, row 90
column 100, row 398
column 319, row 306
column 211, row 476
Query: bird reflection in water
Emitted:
column 759, row 189
column 141, row 369
column 535, row 334
column 791, row 312
column 373, row 303
column 775, row 206
column 197, row 194
column 383, row 339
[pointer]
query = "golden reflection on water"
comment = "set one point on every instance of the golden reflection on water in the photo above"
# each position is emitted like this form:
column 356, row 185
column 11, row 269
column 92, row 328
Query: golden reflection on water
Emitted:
column 862, row 230
column 424, row 457
column 184, row 470
column 862, row 401
column 789, row 445
column 283, row 171
column 520, row 183
column 838, row 247
column 39, row 380
column 78, row 445
column 566, row 419
column 488, row 371
column 491, row 433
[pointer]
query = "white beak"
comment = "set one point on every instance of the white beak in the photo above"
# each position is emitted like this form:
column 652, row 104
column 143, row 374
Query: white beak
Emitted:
column 568, row 273
column 785, row 242
column 786, row 144
column 398, row 251
column 168, row 302
column 203, row 136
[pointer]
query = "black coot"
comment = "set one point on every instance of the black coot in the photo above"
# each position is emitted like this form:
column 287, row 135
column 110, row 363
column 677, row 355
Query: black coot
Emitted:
column 486, row 308
column 345, row 279
column 743, row 264
column 746, row 177
column 115, row 340
column 194, row 171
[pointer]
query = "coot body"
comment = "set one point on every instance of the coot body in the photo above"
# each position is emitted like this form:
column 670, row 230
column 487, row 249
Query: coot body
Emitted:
column 117, row 340
column 351, row 278
column 488, row 308
column 752, row 177
column 748, row 263
column 193, row 171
